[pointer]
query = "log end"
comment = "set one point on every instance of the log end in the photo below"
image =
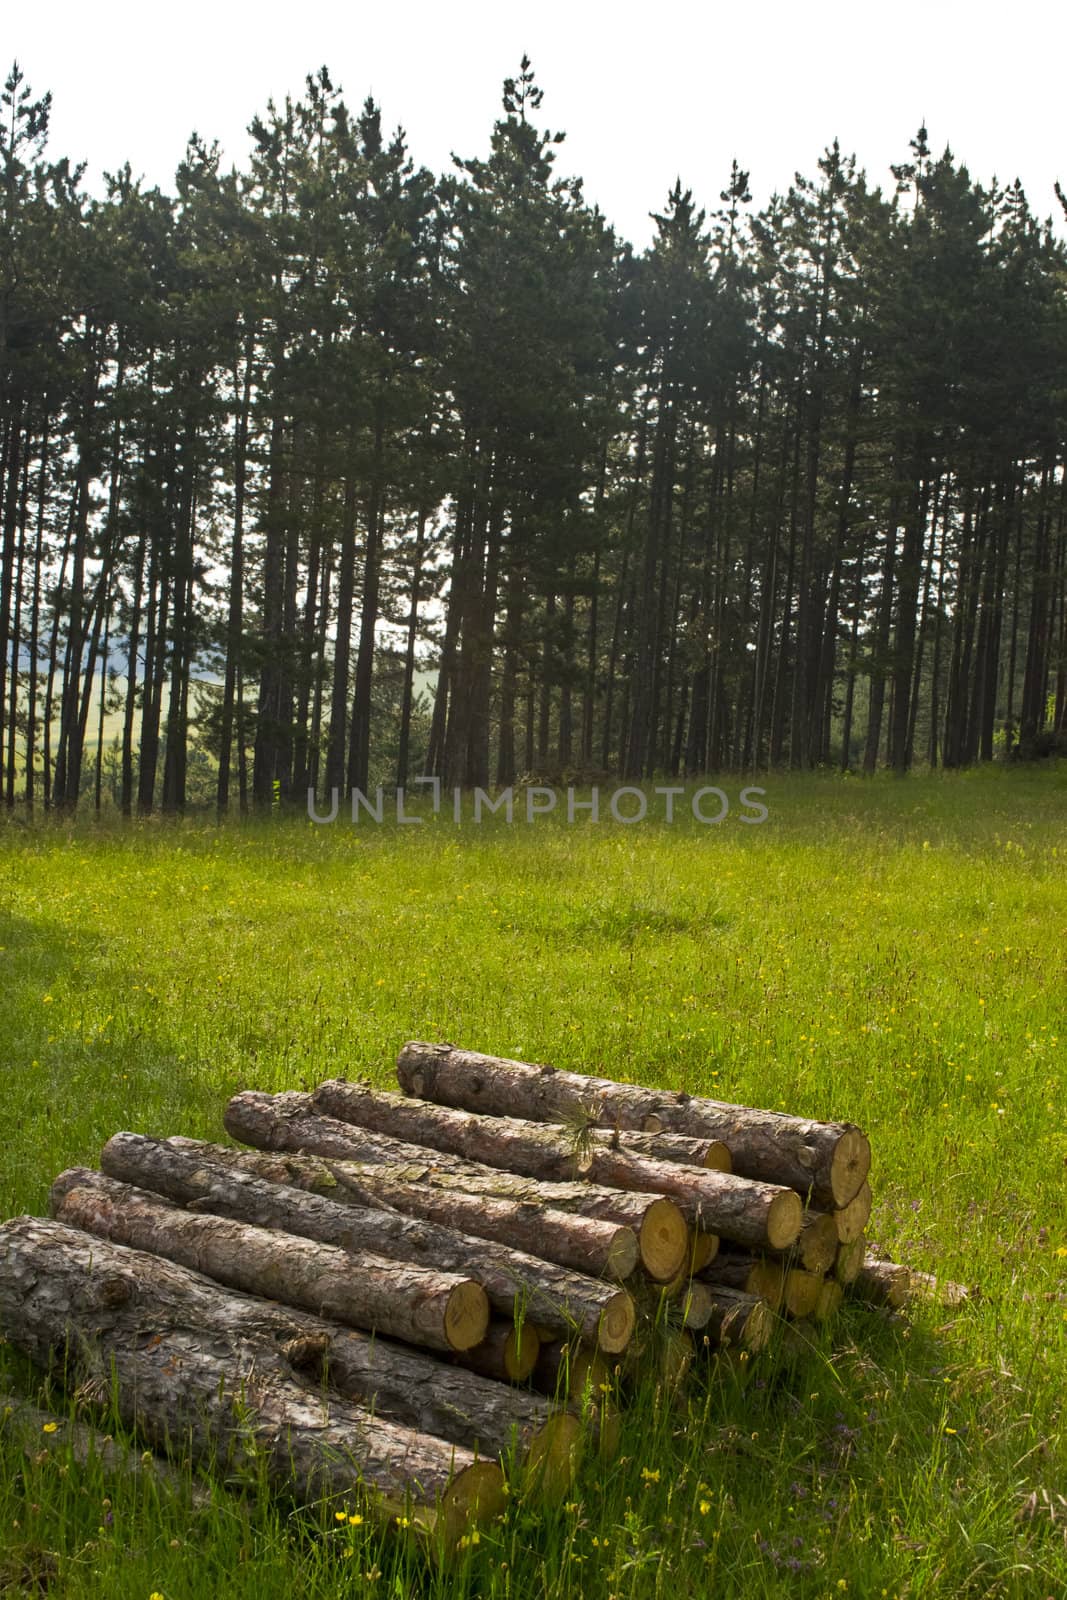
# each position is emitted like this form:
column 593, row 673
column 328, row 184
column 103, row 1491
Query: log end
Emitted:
column 703, row 1248
column 466, row 1315
column 697, row 1305
column 767, row 1281
column 818, row 1242
column 521, row 1351
column 785, row 1217
column 616, row 1325
column 624, row 1255
column 553, row 1457
column 849, row 1260
column 718, row 1157
column 758, row 1327
column 663, row 1240
column 849, row 1166
column 477, row 1494
column 802, row 1291
column 828, row 1300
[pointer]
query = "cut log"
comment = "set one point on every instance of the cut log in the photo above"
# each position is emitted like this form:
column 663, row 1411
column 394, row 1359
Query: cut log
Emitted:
column 441, row 1310
column 826, row 1162
column 754, row 1275
column 287, row 1123
column 853, row 1218
column 801, row 1292
column 882, row 1283
column 736, row 1208
column 703, row 1248
column 585, row 1244
column 849, row 1260
column 695, row 1304
column 739, row 1319
column 571, row 1372
column 828, row 1300
column 401, row 1383
column 189, row 1378
column 507, row 1354
column 567, row 1302
column 816, row 1249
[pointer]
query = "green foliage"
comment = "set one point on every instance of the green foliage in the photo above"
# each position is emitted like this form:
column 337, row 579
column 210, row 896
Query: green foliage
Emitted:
column 884, row 951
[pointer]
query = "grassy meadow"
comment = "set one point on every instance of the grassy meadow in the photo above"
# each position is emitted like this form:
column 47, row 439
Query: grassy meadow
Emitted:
column 894, row 953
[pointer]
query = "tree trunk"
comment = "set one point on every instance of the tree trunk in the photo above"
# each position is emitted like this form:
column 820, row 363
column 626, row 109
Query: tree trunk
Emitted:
column 560, row 1299
column 747, row 1211
column 423, row 1306
column 287, row 1123
column 829, row 1160
column 738, row 1319
column 585, row 1244
column 199, row 1370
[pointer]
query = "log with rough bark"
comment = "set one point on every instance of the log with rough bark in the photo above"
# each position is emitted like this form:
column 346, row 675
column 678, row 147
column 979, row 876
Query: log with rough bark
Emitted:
column 852, row 1219
column 566, row 1301
column 849, row 1260
column 741, row 1209
column 585, row 1244
column 882, row 1283
column 286, row 1124
column 755, row 1275
column 190, row 1378
column 507, row 1354
column 739, row 1319
column 401, row 1383
column 800, row 1295
column 424, row 1306
column 826, row 1162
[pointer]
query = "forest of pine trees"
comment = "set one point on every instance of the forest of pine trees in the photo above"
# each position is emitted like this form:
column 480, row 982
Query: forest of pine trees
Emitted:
column 328, row 472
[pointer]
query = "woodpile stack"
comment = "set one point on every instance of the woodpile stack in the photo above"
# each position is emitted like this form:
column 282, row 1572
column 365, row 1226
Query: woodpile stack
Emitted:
column 410, row 1294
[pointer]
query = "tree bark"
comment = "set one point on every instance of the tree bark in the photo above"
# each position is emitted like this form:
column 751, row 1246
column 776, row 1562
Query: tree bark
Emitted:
column 567, row 1302
column 738, row 1319
column 425, row 1307
column 189, row 1375
column 882, row 1283
column 287, row 1123
column 585, row 1244
column 828, row 1161
column 747, row 1211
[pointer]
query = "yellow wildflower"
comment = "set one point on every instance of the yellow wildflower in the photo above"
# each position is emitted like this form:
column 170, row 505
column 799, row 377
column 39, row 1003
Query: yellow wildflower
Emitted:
column 50, row 1427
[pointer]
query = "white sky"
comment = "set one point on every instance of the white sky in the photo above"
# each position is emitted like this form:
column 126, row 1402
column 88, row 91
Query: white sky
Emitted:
column 644, row 92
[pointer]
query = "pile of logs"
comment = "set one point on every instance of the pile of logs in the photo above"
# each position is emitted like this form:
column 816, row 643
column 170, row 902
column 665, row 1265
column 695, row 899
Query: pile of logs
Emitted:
column 411, row 1295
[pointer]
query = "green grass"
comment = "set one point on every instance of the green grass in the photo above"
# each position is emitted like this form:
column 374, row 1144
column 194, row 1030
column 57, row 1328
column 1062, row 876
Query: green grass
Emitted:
column 889, row 952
